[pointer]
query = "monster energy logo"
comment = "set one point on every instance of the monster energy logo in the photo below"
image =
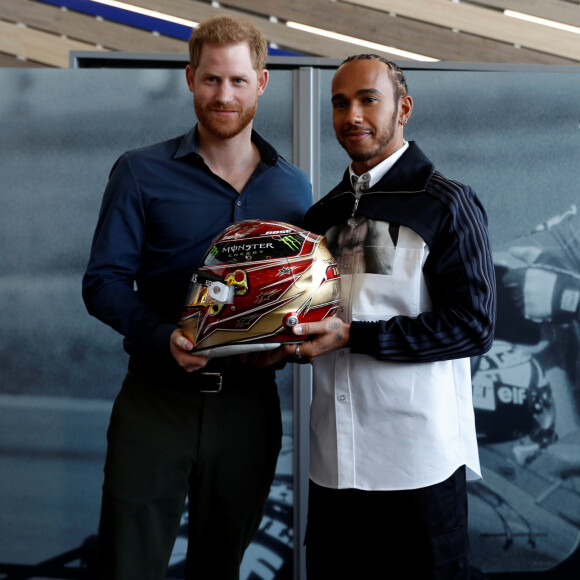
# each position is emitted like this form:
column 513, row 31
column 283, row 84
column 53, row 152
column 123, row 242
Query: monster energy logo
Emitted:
column 214, row 252
column 237, row 248
column 291, row 242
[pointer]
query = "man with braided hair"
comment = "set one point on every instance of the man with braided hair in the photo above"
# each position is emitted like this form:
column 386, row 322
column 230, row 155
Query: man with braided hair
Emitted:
column 393, row 438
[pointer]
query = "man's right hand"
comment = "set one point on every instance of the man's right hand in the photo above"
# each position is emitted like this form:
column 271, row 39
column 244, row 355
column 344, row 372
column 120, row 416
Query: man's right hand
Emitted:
column 324, row 336
column 180, row 346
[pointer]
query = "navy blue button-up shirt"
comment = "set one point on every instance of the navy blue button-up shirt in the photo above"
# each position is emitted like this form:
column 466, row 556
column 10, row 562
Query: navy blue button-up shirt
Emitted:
column 161, row 210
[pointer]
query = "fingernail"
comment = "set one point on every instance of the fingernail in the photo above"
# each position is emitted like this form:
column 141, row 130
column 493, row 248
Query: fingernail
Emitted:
column 298, row 329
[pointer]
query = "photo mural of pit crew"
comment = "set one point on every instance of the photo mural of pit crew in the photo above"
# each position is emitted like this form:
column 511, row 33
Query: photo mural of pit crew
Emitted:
column 526, row 394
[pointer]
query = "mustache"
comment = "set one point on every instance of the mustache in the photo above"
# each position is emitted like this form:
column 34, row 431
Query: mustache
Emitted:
column 221, row 108
column 354, row 129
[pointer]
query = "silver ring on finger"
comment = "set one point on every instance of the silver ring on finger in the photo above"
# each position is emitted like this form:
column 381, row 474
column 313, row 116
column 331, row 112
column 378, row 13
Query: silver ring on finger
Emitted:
column 297, row 352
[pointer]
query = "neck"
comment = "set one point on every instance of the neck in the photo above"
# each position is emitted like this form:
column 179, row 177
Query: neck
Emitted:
column 360, row 167
column 234, row 160
column 218, row 151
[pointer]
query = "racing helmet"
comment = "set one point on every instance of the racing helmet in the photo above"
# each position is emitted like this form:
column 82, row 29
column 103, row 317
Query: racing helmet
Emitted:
column 258, row 279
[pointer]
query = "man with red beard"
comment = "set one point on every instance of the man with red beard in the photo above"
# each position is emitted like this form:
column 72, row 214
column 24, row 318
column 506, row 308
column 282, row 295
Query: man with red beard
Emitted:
column 184, row 425
column 392, row 432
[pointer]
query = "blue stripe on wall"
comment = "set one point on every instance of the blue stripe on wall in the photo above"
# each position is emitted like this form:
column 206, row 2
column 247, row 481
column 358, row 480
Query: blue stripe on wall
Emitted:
column 137, row 20
column 125, row 17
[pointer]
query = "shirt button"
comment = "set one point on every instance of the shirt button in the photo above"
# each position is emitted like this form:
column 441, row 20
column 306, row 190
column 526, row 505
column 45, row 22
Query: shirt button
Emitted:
column 341, row 353
column 341, row 309
column 239, row 203
column 341, row 398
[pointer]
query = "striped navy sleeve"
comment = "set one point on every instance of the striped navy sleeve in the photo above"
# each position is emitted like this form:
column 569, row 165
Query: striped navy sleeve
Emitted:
column 460, row 275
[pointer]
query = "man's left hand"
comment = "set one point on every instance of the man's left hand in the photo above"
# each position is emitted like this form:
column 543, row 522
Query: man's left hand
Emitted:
column 325, row 336
column 180, row 347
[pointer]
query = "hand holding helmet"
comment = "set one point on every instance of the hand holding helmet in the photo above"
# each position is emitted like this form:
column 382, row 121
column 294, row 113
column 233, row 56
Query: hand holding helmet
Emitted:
column 322, row 337
column 180, row 347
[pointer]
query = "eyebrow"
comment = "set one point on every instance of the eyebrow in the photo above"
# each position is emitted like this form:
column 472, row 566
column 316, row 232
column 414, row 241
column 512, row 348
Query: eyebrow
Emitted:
column 358, row 93
column 210, row 73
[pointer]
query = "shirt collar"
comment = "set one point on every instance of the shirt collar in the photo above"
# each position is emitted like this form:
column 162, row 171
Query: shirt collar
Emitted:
column 190, row 144
column 373, row 176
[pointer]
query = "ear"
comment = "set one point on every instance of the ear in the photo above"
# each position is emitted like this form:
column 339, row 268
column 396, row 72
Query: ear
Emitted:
column 263, row 78
column 189, row 76
column 405, row 107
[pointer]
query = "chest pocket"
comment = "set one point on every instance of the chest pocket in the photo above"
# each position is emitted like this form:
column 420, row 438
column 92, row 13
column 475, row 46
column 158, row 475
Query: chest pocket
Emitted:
column 382, row 269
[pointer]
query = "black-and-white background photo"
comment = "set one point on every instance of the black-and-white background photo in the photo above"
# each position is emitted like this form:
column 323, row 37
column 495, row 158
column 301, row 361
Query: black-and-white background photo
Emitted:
column 513, row 135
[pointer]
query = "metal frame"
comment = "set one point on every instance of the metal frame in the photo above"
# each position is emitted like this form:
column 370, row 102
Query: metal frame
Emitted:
column 111, row 59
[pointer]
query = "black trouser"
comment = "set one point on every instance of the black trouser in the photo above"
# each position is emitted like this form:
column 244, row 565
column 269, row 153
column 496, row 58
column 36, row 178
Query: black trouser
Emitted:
column 164, row 443
column 363, row 535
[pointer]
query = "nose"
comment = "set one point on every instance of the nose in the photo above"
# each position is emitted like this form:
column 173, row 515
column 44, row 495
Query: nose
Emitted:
column 224, row 93
column 354, row 115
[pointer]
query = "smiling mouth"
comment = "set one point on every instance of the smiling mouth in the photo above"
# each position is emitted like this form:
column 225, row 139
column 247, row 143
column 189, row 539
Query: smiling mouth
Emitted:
column 355, row 135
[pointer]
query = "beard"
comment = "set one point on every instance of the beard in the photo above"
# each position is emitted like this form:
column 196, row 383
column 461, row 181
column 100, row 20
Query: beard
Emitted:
column 222, row 127
column 382, row 139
